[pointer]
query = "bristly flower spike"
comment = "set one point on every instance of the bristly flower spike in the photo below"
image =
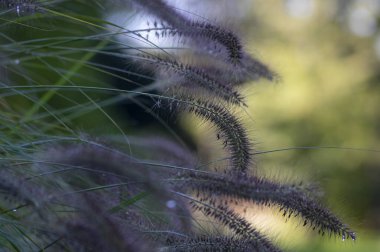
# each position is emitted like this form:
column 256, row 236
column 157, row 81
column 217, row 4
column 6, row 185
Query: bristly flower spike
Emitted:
column 196, row 77
column 240, row 226
column 291, row 199
column 181, row 26
column 230, row 130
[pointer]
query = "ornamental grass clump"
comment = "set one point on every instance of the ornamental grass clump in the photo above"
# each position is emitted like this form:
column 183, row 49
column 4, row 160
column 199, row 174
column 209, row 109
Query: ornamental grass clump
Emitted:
column 76, row 176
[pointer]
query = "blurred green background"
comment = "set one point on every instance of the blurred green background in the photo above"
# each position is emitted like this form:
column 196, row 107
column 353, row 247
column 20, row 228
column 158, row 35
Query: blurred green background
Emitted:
column 328, row 55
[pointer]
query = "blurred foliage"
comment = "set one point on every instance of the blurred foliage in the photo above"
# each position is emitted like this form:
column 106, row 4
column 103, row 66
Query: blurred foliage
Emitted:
column 328, row 98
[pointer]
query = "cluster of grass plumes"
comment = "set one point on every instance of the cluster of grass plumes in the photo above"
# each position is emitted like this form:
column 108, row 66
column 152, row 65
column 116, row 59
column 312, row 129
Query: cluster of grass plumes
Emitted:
column 190, row 77
column 210, row 38
column 293, row 200
column 76, row 198
column 129, row 191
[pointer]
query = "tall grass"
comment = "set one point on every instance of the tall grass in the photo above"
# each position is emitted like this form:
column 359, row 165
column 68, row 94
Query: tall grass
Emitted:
column 76, row 176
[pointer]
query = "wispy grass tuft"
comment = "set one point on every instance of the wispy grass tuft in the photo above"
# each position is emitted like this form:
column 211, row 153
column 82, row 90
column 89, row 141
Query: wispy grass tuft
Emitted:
column 293, row 200
column 202, row 33
column 240, row 226
column 190, row 77
column 79, row 172
column 230, row 130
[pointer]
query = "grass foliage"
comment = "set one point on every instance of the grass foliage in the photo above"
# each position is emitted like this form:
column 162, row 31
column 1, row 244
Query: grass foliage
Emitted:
column 76, row 177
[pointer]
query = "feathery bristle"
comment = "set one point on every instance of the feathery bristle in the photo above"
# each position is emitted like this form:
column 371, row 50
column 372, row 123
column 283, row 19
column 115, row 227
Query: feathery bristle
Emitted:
column 291, row 199
column 240, row 226
column 230, row 129
column 196, row 77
